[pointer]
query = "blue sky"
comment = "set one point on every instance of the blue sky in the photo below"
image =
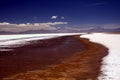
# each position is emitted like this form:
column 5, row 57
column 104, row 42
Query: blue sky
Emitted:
column 75, row 12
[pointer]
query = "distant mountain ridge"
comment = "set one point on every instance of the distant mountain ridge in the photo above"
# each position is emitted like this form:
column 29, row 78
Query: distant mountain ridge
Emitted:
column 64, row 30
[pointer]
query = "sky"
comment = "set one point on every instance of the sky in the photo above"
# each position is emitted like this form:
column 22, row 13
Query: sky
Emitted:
column 74, row 12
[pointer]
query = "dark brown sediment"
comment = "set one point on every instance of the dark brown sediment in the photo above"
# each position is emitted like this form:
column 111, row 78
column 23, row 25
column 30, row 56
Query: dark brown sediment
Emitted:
column 63, row 58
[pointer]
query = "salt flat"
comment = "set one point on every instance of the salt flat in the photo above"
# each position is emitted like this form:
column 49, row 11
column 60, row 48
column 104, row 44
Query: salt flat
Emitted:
column 111, row 65
column 23, row 39
column 19, row 36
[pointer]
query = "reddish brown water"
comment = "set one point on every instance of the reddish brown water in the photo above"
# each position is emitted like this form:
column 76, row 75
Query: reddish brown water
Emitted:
column 38, row 55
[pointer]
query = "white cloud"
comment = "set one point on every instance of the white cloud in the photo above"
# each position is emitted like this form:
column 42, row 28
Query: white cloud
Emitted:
column 29, row 26
column 96, row 4
column 62, row 17
column 54, row 17
column 4, row 23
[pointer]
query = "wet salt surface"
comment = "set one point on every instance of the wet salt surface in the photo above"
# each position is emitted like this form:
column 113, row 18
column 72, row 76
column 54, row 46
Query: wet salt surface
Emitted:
column 111, row 63
column 7, row 42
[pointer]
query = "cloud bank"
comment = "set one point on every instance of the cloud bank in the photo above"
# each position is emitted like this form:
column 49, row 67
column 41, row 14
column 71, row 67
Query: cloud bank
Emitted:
column 56, row 26
column 9, row 27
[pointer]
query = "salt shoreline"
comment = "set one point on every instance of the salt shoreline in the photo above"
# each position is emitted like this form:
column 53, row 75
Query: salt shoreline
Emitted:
column 110, row 66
